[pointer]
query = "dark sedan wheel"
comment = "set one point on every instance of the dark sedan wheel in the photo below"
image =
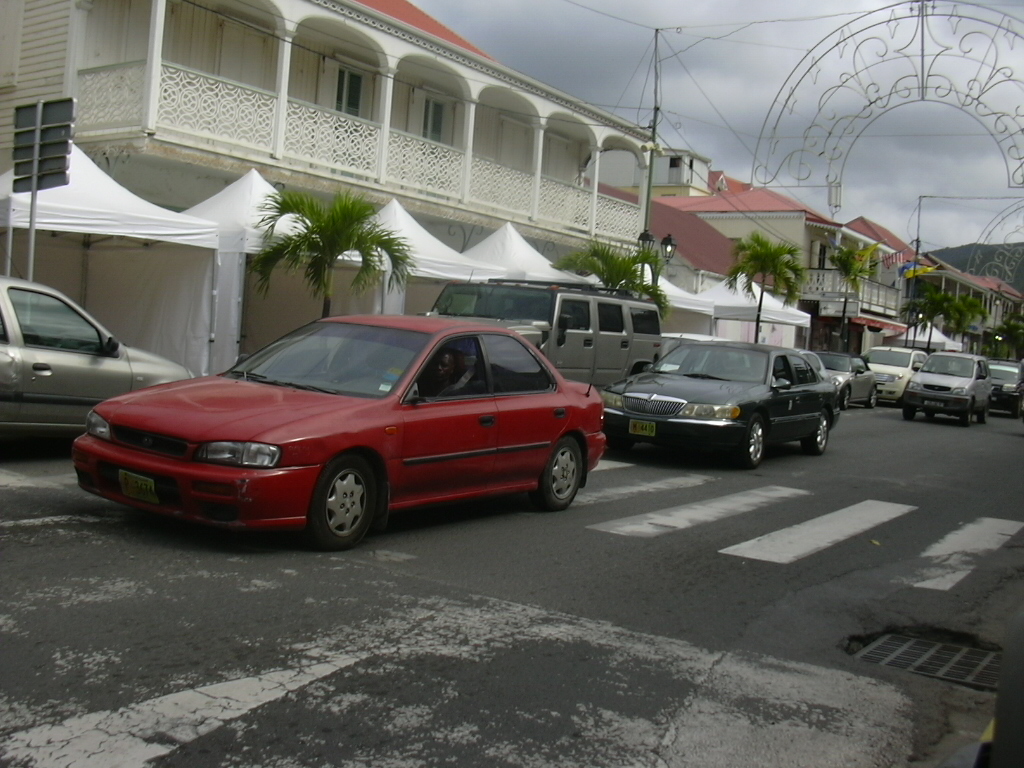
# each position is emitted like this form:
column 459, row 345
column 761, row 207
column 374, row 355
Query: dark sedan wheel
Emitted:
column 343, row 504
column 872, row 399
column 816, row 443
column 844, row 399
column 751, row 451
column 561, row 478
column 909, row 412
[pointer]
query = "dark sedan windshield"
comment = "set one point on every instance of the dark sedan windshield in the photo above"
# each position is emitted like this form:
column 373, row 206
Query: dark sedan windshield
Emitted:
column 834, row 362
column 711, row 362
column 1009, row 373
column 341, row 358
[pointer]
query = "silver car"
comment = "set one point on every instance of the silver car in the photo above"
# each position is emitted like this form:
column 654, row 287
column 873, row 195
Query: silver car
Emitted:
column 57, row 362
column 853, row 378
column 950, row 383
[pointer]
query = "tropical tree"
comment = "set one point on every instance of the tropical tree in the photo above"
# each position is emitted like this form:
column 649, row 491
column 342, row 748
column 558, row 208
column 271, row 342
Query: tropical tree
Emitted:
column 618, row 269
column 760, row 260
column 853, row 266
column 303, row 232
column 1008, row 337
column 927, row 304
column 963, row 312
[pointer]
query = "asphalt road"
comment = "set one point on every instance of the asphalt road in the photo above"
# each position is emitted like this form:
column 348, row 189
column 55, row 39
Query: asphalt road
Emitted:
column 680, row 613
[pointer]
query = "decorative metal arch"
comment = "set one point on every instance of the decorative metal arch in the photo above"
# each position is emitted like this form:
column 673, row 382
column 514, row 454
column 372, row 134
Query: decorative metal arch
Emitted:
column 958, row 54
column 999, row 251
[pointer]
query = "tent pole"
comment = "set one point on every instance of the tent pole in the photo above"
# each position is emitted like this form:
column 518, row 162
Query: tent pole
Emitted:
column 10, row 236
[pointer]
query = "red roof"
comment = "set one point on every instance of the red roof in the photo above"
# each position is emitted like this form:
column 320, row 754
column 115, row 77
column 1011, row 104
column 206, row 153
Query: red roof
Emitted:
column 750, row 200
column 409, row 14
column 698, row 242
column 879, row 234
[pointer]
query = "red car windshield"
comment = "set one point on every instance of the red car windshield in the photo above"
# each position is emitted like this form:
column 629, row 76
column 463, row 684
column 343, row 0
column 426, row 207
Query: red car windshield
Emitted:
column 338, row 358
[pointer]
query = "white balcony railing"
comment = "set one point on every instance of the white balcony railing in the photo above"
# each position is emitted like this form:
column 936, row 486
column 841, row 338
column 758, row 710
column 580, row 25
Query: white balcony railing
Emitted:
column 214, row 110
column 828, row 284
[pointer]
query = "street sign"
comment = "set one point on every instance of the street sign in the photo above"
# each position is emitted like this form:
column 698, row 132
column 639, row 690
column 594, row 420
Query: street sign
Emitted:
column 42, row 144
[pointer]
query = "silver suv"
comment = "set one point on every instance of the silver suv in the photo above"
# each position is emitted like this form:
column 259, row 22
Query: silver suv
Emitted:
column 950, row 383
column 589, row 334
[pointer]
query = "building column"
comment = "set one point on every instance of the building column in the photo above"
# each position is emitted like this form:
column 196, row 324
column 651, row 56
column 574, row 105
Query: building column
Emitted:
column 284, row 66
column 154, row 66
column 595, row 152
column 538, row 165
column 468, row 131
column 384, row 105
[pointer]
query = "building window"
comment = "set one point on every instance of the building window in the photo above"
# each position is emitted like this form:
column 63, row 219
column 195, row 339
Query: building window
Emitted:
column 433, row 120
column 349, row 97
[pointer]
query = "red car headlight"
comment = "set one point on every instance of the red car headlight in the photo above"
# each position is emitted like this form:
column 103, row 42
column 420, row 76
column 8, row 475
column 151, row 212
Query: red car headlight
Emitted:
column 260, row 455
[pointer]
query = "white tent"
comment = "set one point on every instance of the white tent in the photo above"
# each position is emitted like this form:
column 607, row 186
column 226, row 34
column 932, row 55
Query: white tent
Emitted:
column 690, row 312
column 144, row 271
column 737, row 305
column 506, row 249
column 919, row 337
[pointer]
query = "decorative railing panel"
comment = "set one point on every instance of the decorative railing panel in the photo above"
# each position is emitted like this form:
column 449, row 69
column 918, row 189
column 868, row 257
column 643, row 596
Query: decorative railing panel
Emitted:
column 501, row 187
column 331, row 138
column 829, row 284
column 217, row 108
column 618, row 218
column 426, row 165
column 111, row 97
column 564, row 203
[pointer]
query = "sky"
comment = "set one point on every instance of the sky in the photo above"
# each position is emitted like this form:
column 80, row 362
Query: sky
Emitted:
column 937, row 171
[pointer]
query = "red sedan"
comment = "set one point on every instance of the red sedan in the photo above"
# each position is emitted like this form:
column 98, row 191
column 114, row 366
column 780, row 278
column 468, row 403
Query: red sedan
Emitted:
column 339, row 422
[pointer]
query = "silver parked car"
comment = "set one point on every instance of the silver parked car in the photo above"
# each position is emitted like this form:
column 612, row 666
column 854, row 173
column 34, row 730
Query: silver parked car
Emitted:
column 57, row 362
column 950, row 383
column 853, row 378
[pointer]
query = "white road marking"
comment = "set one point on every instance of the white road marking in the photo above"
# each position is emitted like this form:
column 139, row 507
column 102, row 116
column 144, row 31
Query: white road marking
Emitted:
column 687, row 515
column 131, row 736
column 954, row 556
column 39, row 521
column 741, row 709
column 627, row 491
column 790, row 544
column 612, row 464
column 17, row 480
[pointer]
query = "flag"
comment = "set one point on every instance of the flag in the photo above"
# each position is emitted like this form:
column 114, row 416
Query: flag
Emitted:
column 889, row 259
column 915, row 269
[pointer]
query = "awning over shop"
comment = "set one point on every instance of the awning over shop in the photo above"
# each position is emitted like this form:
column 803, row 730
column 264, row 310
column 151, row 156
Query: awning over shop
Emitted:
column 879, row 323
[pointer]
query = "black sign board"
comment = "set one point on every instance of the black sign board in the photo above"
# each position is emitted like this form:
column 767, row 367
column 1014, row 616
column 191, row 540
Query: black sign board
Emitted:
column 42, row 144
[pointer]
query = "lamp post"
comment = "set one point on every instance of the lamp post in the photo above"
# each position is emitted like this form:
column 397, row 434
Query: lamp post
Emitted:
column 645, row 242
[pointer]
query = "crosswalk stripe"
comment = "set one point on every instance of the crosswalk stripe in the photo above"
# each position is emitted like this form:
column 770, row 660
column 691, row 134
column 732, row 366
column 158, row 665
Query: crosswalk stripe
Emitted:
column 627, row 491
column 788, row 545
column 952, row 555
column 687, row 515
column 612, row 464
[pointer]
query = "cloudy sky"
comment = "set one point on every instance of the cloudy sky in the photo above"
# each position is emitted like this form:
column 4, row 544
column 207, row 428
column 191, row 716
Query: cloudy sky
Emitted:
column 921, row 168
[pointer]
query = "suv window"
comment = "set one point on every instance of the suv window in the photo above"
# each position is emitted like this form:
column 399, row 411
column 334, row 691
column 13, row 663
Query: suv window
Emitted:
column 48, row 322
column 578, row 313
column 645, row 320
column 513, row 367
column 609, row 318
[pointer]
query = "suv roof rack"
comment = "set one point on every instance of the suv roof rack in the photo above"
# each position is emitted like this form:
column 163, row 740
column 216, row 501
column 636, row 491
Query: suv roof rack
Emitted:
column 579, row 287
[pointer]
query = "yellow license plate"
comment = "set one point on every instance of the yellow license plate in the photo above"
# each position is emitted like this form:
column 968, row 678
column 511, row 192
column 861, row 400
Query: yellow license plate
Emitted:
column 645, row 428
column 137, row 487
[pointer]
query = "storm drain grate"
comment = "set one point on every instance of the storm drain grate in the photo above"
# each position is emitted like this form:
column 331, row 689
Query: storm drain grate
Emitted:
column 955, row 663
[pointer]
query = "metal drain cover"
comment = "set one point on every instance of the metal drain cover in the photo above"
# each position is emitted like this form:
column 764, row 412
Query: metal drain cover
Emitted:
column 955, row 663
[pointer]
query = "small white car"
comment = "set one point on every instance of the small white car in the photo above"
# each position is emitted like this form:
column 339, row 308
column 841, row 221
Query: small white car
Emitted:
column 950, row 383
column 893, row 367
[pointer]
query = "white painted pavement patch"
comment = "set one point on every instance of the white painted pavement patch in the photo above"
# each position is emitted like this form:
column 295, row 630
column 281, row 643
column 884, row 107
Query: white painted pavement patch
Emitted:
column 628, row 491
column 16, row 480
column 954, row 556
column 790, row 544
column 730, row 709
column 612, row 464
column 687, row 515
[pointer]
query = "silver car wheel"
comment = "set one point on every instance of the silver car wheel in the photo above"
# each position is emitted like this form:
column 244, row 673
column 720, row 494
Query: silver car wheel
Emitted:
column 755, row 442
column 821, row 436
column 346, row 502
column 564, row 471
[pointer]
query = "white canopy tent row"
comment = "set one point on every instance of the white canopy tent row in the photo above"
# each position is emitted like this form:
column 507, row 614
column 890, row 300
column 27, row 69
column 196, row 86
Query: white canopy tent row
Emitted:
column 690, row 313
column 734, row 305
column 925, row 336
column 145, row 272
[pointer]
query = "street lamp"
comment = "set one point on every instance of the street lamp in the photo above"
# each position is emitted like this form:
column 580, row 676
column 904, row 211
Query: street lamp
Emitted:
column 668, row 248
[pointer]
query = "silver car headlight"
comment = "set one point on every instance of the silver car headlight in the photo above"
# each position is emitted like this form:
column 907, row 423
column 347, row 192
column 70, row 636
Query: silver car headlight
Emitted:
column 97, row 426
column 959, row 390
column 837, row 380
column 259, row 455
column 914, row 386
column 611, row 399
column 707, row 411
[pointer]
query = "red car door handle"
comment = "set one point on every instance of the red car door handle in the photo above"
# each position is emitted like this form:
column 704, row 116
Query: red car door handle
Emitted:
column 487, row 421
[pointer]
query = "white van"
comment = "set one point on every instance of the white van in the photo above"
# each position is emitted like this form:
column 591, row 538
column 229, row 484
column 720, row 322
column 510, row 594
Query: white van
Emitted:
column 589, row 334
column 893, row 367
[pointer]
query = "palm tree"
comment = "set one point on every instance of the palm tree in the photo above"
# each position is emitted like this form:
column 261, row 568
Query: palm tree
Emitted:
column 853, row 266
column 1008, row 337
column 313, row 236
column 926, row 306
column 757, row 256
column 619, row 270
column 962, row 314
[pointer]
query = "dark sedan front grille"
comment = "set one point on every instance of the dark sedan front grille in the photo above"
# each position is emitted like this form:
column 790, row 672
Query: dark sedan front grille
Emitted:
column 653, row 405
column 937, row 388
column 170, row 446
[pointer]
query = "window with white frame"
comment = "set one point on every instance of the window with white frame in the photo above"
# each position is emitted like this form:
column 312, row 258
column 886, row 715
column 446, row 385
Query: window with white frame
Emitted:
column 435, row 119
column 349, row 92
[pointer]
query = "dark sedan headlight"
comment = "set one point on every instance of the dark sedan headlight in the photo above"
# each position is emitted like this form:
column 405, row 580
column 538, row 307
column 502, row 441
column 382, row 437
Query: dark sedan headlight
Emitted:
column 709, row 411
column 611, row 399
column 260, row 455
column 97, row 426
